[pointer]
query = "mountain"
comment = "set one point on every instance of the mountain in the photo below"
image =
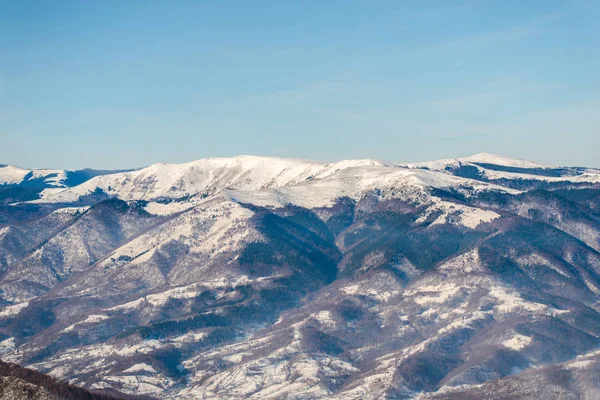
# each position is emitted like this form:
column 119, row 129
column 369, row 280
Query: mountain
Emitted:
column 258, row 277
column 20, row 184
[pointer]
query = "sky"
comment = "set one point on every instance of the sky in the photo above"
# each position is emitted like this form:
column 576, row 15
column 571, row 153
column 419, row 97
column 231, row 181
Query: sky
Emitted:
column 122, row 84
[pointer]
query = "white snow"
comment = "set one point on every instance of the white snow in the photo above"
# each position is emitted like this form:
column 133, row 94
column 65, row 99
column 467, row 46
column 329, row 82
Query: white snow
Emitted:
column 436, row 165
column 138, row 384
column 205, row 215
column 91, row 319
column 392, row 182
column 587, row 175
column 202, row 176
column 190, row 337
column 433, row 294
column 470, row 217
column 325, row 318
column 7, row 345
column 510, row 301
column 517, row 342
column 487, row 158
column 466, row 263
column 580, row 364
column 483, row 158
column 70, row 210
column 166, row 209
column 141, row 367
column 259, row 180
column 376, row 294
column 182, row 292
column 13, row 309
column 12, row 175
column 534, row 259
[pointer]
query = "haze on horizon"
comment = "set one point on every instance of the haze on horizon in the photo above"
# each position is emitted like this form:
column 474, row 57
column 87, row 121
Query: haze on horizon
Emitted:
column 126, row 84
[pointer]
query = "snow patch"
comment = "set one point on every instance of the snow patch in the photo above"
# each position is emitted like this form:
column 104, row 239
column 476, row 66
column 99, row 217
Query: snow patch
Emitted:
column 511, row 301
column 70, row 210
column 166, row 209
column 517, row 342
column 435, row 294
column 325, row 318
column 140, row 368
column 453, row 213
column 466, row 263
column 13, row 309
column 580, row 364
column 487, row 158
column 7, row 345
column 92, row 319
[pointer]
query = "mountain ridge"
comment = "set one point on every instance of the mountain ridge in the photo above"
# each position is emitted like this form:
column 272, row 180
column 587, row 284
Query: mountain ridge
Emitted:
column 206, row 176
column 255, row 277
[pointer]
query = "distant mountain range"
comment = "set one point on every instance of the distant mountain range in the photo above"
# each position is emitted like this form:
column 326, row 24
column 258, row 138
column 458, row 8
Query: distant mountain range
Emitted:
column 269, row 278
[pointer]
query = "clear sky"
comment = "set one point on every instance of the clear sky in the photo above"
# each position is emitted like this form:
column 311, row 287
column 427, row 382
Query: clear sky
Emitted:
column 116, row 84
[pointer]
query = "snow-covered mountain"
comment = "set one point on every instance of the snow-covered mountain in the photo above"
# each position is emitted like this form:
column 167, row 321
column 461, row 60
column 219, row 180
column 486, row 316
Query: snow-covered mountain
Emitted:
column 494, row 168
column 258, row 277
column 20, row 184
column 203, row 178
column 11, row 175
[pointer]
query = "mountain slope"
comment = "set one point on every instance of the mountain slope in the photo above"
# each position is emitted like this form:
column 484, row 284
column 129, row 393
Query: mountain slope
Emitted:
column 509, row 172
column 20, row 184
column 264, row 278
column 203, row 178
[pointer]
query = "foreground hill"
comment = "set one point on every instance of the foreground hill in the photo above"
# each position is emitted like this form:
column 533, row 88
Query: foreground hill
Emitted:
column 18, row 383
column 255, row 277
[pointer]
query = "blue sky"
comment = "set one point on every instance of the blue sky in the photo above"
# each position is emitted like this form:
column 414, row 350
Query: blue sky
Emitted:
column 116, row 84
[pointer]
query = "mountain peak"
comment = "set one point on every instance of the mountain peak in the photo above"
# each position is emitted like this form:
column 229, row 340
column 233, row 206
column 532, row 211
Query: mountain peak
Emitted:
column 489, row 158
